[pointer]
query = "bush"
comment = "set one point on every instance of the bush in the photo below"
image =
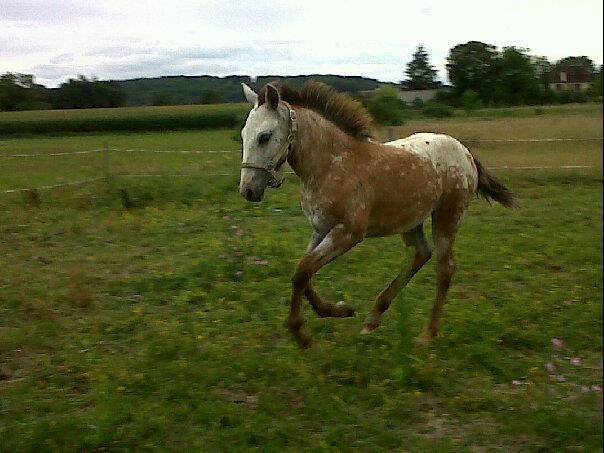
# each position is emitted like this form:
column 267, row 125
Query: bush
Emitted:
column 417, row 103
column 437, row 110
column 448, row 98
column 386, row 107
column 470, row 100
column 569, row 97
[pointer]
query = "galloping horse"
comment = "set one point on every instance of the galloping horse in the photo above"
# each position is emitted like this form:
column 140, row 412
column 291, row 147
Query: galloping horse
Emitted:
column 354, row 187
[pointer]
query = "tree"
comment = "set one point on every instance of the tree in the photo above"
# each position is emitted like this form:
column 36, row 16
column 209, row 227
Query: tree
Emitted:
column 19, row 92
column 518, row 82
column 474, row 66
column 420, row 73
column 11, row 93
column 161, row 98
column 597, row 88
column 209, row 96
column 582, row 61
column 82, row 93
column 542, row 67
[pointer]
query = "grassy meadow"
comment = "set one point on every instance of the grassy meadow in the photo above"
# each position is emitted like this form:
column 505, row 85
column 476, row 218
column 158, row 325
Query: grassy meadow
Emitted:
column 145, row 313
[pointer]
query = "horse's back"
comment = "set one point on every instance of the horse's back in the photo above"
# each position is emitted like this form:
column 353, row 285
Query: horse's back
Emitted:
column 450, row 158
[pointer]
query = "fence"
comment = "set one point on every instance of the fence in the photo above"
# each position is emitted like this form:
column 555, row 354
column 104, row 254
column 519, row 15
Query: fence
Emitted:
column 106, row 150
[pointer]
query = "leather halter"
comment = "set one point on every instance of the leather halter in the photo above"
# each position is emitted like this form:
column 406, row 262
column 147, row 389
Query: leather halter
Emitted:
column 274, row 180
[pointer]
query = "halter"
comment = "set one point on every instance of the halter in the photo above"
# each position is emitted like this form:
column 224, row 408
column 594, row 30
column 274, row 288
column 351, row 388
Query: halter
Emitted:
column 274, row 180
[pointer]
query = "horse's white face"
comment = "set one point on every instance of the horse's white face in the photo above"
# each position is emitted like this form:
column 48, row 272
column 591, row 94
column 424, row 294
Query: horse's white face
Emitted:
column 265, row 144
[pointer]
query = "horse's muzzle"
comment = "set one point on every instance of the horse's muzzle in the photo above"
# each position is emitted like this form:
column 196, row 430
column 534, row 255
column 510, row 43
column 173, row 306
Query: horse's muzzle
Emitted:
column 252, row 195
column 253, row 183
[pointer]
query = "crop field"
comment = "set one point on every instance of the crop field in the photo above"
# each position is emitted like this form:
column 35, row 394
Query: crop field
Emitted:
column 123, row 119
column 145, row 312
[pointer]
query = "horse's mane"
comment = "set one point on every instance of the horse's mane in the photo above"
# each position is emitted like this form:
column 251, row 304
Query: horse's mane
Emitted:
column 339, row 108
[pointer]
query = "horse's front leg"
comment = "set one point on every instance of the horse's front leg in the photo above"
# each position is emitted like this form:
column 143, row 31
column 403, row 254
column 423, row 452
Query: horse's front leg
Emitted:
column 338, row 241
column 322, row 308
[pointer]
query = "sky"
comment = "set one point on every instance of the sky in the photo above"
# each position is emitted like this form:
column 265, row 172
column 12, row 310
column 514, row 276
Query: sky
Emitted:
column 117, row 39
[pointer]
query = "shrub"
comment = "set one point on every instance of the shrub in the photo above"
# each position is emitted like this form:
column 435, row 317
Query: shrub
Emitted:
column 417, row 103
column 448, row 98
column 470, row 100
column 568, row 97
column 386, row 107
column 437, row 110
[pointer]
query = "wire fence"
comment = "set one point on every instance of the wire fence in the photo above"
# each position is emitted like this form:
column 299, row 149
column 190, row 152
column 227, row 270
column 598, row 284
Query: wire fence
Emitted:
column 106, row 150
column 530, row 140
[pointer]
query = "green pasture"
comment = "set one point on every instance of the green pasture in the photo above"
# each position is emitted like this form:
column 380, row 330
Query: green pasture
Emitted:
column 145, row 313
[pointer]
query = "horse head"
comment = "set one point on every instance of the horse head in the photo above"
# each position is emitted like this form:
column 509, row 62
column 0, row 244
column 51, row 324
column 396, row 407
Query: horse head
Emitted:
column 267, row 135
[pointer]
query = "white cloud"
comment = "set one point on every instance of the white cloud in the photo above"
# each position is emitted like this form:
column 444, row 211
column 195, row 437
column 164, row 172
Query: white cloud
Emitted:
column 44, row 11
column 116, row 39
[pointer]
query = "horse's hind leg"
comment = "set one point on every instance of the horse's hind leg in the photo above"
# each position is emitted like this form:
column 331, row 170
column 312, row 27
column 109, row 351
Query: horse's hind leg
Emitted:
column 414, row 238
column 445, row 222
column 322, row 308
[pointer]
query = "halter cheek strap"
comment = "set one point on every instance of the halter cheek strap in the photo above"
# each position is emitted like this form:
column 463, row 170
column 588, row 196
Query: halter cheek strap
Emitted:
column 274, row 180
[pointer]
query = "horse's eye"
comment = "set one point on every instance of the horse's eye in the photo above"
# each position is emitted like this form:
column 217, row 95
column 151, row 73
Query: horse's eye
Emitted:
column 264, row 137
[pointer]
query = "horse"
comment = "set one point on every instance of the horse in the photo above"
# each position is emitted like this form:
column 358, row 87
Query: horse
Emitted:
column 353, row 187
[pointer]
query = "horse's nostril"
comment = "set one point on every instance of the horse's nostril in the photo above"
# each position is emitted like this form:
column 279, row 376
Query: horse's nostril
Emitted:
column 249, row 194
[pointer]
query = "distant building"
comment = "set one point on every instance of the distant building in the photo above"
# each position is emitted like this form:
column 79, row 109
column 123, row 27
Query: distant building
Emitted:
column 570, row 78
column 413, row 93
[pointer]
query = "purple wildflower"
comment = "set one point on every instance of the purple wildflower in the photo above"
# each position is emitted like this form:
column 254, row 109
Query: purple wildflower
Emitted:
column 556, row 342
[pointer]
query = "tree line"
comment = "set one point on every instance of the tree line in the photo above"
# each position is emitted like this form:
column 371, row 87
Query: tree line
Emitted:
column 479, row 74
column 20, row 92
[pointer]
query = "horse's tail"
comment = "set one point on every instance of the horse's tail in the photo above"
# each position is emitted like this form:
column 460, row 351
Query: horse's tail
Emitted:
column 491, row 188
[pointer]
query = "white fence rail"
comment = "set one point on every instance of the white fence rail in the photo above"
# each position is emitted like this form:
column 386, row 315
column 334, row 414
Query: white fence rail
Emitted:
column 230, row 151
column 56, row 186
column 529, row 140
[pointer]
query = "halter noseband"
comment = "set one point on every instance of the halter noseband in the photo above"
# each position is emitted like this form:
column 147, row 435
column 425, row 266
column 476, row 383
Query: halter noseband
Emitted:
column 274, row 180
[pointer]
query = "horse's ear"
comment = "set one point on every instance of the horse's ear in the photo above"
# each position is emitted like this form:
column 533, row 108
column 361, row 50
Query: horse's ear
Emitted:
column 249, row 94
column 272, row 96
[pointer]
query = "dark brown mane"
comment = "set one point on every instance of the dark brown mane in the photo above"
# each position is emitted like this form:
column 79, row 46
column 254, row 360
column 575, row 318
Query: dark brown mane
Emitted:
column 339, row 108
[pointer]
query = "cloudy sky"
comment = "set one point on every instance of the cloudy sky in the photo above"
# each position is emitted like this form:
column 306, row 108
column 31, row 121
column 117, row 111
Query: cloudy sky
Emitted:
column 117, row 39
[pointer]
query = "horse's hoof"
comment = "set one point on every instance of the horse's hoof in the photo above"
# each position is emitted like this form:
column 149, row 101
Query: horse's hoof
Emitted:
column 368, row 330
column 300, row 332
column 303, row 338
column 424, row 338
column 342, row 310
column 372, row 322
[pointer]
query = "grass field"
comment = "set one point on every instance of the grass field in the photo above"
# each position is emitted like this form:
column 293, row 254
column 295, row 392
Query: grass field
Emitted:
column 159, row 326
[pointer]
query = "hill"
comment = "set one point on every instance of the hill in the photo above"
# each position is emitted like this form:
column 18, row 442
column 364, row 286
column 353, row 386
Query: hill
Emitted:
column 177, row 90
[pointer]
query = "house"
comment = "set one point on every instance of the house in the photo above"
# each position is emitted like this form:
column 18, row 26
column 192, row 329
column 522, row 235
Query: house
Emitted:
column 570, row 78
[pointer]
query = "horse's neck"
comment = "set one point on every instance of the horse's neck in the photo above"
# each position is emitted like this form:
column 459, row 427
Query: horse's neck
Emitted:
column 316, row 144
